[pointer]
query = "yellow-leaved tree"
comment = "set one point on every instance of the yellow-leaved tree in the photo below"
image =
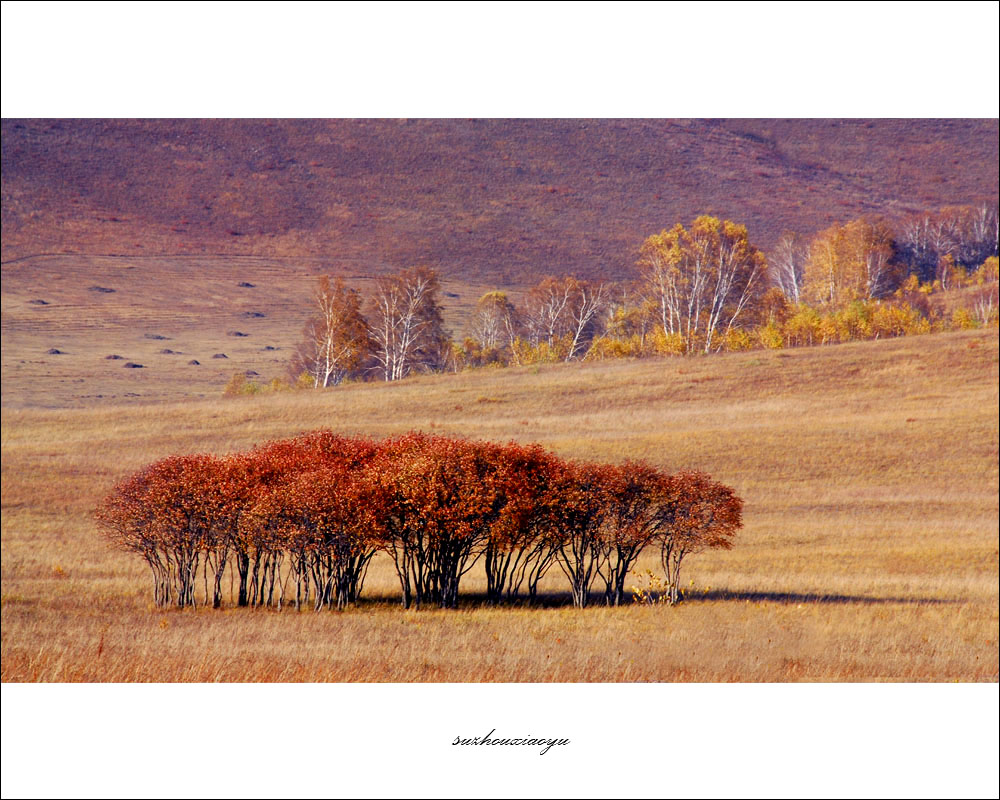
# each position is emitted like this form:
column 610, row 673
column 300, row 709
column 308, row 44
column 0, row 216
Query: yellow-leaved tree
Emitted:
column 851, row 262
column 703, row 281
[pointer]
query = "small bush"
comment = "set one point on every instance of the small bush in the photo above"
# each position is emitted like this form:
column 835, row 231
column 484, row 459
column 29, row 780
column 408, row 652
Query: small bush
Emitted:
column 963, row 319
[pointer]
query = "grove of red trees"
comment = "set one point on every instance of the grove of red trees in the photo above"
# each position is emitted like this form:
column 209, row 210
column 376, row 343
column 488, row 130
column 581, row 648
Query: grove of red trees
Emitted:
column 297, row 521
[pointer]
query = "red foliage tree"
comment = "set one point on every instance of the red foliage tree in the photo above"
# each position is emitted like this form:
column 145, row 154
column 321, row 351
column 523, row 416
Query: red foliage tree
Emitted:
column 696, row 514
column 575, row 522
column 276, row 480
column 632, row 493
column 172, row 513
column 519, row 548
column 327, row 521
column 444, row 497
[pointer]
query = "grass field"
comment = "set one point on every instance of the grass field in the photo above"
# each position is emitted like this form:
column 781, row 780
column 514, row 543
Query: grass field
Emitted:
column 869, row 472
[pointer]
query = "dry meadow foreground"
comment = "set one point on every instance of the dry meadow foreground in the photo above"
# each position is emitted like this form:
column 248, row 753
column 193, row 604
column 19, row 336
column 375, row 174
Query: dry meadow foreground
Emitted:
column 869, row 551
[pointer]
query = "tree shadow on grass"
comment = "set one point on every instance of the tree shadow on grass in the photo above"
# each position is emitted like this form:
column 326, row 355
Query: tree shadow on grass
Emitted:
column 808, row 597
column 554, row 600
column 469, row 601
column 543, row 601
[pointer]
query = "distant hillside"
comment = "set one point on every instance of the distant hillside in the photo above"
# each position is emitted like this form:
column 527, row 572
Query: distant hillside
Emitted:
column 504, row 200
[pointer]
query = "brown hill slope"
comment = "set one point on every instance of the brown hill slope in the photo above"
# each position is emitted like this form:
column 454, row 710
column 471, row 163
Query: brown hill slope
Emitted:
column 503, row 199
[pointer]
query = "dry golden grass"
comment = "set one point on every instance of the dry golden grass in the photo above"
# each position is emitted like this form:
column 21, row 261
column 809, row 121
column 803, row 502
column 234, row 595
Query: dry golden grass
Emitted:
column 869, row 472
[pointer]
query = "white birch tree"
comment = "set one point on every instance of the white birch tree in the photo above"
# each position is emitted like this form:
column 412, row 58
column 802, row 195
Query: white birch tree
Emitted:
column 405, row 325
column 335, row 339
column 787, row 265
column 702, row 280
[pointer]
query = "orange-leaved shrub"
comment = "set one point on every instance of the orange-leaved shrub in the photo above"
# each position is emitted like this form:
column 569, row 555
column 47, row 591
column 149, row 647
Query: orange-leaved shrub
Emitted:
column 297, row 521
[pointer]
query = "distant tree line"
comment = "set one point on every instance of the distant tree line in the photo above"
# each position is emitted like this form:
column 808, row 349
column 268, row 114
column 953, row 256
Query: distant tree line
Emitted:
column 701, row 289
column 296, row 522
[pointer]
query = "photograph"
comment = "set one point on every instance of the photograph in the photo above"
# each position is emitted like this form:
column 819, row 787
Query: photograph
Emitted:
column 589, row 401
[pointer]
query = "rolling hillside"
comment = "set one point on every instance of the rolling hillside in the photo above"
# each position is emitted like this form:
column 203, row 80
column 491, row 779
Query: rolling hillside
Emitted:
column 498, row 200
